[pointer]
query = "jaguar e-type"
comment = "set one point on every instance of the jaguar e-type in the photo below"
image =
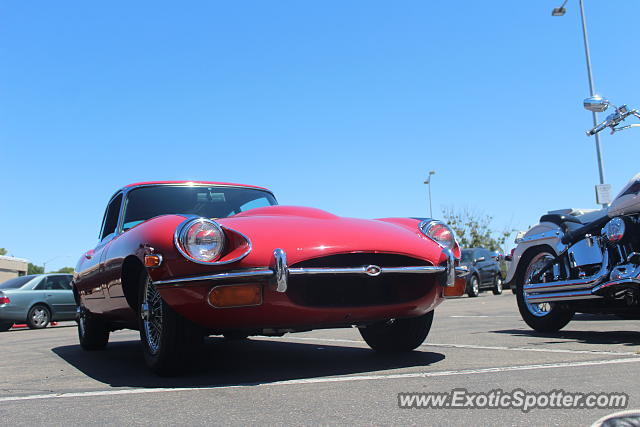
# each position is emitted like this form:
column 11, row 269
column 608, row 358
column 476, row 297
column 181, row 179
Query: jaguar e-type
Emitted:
column 182, row 260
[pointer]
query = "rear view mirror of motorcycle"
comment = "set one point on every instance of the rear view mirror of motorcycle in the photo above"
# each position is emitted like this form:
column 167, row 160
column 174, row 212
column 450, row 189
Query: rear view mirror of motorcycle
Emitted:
column 596, row 104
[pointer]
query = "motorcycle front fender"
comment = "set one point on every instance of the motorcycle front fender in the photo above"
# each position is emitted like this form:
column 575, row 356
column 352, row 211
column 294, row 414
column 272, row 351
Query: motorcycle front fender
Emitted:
column 545, row 233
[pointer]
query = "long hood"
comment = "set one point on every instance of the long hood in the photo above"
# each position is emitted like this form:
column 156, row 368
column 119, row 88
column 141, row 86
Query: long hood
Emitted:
column 305, row 233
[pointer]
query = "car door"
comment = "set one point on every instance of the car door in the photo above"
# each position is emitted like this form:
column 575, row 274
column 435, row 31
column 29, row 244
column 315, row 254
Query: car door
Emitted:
column 59, row 296
column 485, row 266
column 91, row 280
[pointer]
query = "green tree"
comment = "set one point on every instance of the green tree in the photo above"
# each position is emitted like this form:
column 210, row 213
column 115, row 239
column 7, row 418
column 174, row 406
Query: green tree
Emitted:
column 34, row 269
column 3, row 251
column 65, row 270
column 473, row 229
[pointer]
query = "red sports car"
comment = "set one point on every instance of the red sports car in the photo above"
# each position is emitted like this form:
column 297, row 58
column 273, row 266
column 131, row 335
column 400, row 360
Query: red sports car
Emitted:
column 182, row 260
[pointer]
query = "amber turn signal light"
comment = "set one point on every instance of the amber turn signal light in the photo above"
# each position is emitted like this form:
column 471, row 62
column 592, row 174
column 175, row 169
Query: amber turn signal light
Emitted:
column 236, row 295
column 152, row 260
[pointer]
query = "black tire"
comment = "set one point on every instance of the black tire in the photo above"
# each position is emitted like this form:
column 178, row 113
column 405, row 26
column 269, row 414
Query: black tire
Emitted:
column 544, row 317
column 235, row 335
column 402, row 335
column 5, row 326
column 473, row 287
column 168, row 340
column 497, row 284
column 93, row 332
column 38, row 317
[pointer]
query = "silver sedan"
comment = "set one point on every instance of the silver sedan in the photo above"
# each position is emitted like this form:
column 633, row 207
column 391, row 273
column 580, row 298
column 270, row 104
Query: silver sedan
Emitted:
column 36, row 300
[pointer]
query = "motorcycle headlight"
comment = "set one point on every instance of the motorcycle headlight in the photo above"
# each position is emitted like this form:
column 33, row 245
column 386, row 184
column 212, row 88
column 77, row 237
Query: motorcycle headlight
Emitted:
column 439, row 232
column 200, row 240
column 614, row 230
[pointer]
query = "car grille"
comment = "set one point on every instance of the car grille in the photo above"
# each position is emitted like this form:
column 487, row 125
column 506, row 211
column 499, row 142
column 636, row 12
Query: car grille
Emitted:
column 359, row 290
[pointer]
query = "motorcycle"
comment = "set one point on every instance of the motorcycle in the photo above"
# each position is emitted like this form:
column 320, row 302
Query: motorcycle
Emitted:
column 582, row 261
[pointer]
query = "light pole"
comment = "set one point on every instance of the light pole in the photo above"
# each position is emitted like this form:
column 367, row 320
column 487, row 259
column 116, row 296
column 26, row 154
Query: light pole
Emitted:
column 44, row 264
column 428, row 182
column 560, row 11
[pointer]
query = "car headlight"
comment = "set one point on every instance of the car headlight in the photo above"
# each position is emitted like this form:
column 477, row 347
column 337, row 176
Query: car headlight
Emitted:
column 439, row 232
column 200, row 240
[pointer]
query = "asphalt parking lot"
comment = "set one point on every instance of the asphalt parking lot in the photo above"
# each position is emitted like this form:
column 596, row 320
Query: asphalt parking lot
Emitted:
column 327, row 377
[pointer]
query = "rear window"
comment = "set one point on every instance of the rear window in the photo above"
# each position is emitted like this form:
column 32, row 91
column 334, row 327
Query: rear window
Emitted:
column 16, row 282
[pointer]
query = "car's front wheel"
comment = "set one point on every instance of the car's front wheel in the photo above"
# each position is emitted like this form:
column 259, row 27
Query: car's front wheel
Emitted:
column 473, row 288
column 93, row 332
column 398, row 335
column 5, row 326
column 497, row 285
column 38, row 317
column 235, row 335
column 168, row 339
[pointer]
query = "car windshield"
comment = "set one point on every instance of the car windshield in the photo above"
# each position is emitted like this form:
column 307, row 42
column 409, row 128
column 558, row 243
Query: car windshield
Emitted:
column 16, row 282
column 207, row 201
column 466, row 256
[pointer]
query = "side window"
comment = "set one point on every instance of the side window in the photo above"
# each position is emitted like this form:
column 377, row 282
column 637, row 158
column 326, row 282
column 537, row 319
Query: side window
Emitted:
column 57, row 283
column 42, row 285
column 111, row 217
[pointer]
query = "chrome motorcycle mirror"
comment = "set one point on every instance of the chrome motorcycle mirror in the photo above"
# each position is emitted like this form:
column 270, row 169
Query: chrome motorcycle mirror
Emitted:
column 596, row 104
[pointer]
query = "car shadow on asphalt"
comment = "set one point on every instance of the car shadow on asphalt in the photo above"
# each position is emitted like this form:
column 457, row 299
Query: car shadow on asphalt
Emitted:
column 610, row 336
column 245, row 362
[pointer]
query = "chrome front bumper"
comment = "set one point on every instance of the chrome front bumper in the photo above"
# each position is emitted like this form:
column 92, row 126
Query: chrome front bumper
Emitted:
column 280, row 272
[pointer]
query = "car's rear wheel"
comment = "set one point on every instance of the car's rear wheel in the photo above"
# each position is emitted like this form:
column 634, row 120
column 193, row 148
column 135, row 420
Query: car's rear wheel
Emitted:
column 399, row 335
column 497, row 285
column 38, row 317
column 473, row 288
column 93, row 332
column 168, row 339
column 5, row 326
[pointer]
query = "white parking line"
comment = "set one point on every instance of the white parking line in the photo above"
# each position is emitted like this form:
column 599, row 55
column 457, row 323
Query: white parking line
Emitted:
column 323, row 380
column 482, row 316
column 479, row 347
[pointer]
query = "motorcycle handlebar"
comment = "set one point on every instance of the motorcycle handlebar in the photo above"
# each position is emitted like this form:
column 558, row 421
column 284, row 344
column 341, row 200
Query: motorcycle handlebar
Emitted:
column 598, row 128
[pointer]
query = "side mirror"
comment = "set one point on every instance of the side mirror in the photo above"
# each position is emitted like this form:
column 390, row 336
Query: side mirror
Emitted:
column 596, row 104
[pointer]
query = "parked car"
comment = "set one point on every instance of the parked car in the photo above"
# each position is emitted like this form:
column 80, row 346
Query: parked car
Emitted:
column 484, row 271
column 182, row 260
column 36, row 300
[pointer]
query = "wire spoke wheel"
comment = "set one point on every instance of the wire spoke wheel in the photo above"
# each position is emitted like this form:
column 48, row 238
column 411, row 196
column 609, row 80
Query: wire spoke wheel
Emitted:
column 93, row 332
column 151, row 312
column 169, row 341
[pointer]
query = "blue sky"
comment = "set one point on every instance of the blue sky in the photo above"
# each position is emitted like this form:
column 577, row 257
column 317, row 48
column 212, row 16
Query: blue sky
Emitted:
column 343, row 106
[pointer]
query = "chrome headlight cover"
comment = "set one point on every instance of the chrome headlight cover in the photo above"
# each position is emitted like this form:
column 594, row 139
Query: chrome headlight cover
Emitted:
column 200, row 240
column 614, row 230
column 439, row 232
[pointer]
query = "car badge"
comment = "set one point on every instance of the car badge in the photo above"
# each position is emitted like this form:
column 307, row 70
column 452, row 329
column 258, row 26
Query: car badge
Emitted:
column 373, row 270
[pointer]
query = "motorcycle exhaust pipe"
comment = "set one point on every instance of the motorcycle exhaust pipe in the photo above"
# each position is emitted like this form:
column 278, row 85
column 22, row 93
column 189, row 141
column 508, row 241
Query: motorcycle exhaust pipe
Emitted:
column 574, row 284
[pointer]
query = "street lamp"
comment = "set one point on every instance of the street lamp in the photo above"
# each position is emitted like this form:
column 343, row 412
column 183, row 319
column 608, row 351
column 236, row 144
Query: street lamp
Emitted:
column 560, row 11
column 428, row 182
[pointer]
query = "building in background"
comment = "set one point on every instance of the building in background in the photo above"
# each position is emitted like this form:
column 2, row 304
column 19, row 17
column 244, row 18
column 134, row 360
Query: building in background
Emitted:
column 11, row 267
